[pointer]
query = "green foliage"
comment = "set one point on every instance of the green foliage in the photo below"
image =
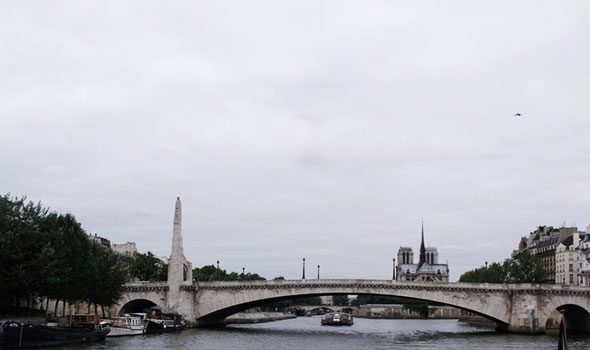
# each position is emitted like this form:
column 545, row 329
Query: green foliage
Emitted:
column 493, row 273
column 105, row 276
column 147, row 267
column 49, row 255
column 421, row 308
column 340, row 300
column 212, row 273
column 526, row 268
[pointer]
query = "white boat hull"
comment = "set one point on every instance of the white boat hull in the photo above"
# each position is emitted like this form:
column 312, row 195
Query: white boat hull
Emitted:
column 124, row 332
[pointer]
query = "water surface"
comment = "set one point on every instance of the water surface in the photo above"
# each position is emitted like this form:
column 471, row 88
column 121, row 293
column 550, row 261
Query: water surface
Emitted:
column 307, row 333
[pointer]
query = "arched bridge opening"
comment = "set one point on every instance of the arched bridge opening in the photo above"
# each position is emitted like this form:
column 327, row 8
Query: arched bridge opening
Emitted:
column 215, row 319
column 500, row 325
column 575, row 317
column 139, row 305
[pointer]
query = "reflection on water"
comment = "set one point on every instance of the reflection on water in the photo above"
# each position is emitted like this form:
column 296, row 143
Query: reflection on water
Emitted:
column 307, row 333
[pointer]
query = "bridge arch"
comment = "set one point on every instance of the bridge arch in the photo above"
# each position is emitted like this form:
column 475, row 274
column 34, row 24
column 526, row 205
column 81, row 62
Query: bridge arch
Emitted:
column 140, row 295
column 576, row 318
column 229, row 301
column 137, row 305
column 215, row 317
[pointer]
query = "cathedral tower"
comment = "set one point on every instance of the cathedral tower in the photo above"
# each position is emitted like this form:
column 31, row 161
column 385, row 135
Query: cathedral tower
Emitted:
column 422, row 249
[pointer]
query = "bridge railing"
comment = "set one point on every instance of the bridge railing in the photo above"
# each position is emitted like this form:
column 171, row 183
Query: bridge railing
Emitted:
column 375, row 283
column 146, row 284
column 359, row 283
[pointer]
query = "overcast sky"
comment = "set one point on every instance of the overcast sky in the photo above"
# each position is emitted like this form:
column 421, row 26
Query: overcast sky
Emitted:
column 320, row 129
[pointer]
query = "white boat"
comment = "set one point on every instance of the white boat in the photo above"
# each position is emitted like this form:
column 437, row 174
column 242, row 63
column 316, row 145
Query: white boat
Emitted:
column 337, row 319
column 128, row 324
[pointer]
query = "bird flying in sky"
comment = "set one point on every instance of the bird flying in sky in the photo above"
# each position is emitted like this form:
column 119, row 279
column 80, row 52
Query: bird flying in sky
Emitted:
column 518, row 115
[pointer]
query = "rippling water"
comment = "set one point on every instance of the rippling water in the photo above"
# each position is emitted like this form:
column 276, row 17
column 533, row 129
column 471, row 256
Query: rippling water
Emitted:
column 306, row 333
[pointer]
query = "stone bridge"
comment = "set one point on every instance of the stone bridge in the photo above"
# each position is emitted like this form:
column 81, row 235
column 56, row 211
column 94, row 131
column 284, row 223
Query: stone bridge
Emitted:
column 514, row 307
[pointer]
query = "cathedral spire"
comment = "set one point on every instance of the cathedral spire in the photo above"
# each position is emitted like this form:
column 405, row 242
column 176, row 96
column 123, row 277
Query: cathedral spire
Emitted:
column 422, row 249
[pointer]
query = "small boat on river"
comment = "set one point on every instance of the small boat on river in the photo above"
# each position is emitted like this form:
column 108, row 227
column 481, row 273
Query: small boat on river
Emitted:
column 337, row 319
column 21, row 335
column 128, row 324
column 164, row 323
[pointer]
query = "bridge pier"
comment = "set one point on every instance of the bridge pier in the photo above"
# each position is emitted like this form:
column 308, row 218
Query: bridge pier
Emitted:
column 526, row 315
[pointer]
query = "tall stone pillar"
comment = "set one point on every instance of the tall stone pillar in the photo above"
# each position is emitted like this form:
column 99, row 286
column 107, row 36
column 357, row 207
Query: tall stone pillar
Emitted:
column 176, row 262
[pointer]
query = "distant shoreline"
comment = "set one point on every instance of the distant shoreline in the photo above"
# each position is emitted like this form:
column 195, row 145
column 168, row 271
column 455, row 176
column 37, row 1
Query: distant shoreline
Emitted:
column 257, row 317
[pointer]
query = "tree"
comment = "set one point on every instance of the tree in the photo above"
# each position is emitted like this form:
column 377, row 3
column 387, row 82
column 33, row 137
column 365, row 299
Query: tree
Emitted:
column 526, row 268
column 212, row 273
column 206, row 273
column 340, row 300
column 49, row 255
column 147, row 267
column 105, row 276
column 24, row 257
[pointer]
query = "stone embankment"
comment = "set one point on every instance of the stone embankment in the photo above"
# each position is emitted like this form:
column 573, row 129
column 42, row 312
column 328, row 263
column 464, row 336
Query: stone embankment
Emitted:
column 398, row 311
column 257, row 317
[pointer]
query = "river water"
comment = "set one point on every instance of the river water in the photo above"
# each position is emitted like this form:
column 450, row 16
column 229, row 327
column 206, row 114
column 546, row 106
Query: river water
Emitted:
column 306, row 333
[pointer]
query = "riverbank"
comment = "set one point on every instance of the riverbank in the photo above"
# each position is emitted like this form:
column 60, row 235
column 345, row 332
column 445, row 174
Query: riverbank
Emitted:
column 257, row 317
column 402, row 312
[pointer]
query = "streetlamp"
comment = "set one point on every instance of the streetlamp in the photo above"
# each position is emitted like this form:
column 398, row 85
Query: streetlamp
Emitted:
column 217, row 272
column 393, row 274
column 318, row 271
column 303, row 277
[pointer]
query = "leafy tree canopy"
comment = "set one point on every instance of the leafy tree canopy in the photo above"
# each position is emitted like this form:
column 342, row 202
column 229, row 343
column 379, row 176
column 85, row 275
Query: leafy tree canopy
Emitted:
column 212, row 273
column 48, row 255
column 340, row 300
column 147, row 267
column 526, row 268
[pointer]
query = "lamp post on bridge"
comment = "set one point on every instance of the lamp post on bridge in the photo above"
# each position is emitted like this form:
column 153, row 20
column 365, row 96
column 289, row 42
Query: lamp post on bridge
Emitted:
column 393, row 273
column 318, row 271
column 303, row 276
column 217, row 272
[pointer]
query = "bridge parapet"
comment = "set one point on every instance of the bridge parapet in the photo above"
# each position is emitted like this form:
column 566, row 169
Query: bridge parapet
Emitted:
column 146, row 286
column 359, row 283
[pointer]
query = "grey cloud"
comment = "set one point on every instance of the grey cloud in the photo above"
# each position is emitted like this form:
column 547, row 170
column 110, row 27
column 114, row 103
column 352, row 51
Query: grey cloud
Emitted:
column 318, row 129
